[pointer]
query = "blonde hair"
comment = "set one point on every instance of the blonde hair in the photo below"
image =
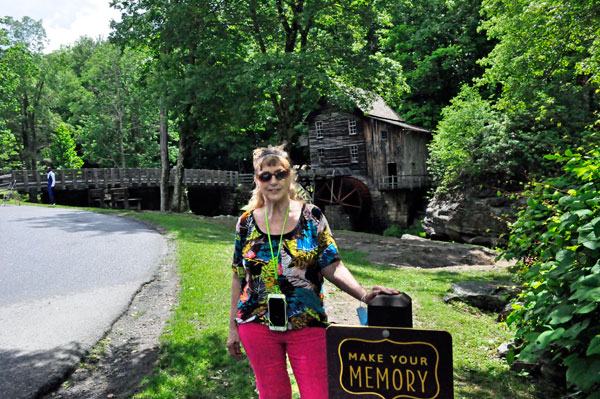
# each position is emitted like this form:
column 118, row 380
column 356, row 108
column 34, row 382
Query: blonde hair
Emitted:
column 270, row 156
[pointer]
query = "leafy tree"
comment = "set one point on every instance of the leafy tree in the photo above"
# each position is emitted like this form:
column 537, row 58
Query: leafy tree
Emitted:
column 471, row 142
column 543, row 69
column 437, row 42
column 557, row 243
column 9, row 147
column 62, row 150
column 539, row 78
column 66, row 92
column 9, row 150
column 546, row 50
column 263, row 63
column 119, row 118
column 22, row 60
column 29, row 32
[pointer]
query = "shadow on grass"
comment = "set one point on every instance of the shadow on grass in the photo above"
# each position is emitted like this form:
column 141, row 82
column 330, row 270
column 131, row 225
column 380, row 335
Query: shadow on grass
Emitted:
column 454, row 277
column 478, row 384
column 200, row 369
column 192, row 228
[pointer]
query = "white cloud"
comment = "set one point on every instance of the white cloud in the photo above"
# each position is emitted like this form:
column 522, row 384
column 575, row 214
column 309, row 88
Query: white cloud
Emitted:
column 64, row 20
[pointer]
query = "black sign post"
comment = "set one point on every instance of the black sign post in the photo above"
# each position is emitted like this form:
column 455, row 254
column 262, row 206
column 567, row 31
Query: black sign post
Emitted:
column 389, row 363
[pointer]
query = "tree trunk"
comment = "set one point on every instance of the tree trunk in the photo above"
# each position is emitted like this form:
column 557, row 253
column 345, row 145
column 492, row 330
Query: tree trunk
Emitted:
column 122, row 140
column 33, row 140
column 178, row 181
column 286, row 132
column 26, row 136
column 285, row 124
column 164, row 161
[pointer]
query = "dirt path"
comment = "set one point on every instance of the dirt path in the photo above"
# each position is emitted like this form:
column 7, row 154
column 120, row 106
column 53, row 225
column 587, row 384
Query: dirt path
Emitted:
column 408, row 251
column 130, row 350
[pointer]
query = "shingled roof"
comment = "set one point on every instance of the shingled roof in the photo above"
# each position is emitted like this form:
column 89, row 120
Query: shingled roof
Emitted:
column 380, row 111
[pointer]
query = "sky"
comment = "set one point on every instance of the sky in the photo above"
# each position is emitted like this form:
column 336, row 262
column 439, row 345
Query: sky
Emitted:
column 64, row 20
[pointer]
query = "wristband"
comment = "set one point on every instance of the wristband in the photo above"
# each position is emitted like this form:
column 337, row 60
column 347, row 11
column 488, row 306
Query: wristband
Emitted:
column 363, row 298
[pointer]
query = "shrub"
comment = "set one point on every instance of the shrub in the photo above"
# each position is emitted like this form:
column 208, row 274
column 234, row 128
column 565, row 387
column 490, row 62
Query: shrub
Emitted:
column 397, row 231
column 62, row 150
column 556, row 240
column 471, row 143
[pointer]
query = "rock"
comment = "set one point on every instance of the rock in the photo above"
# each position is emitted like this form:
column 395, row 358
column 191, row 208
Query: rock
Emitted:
column 490, row 296
column 471, row 217
column 503, row 349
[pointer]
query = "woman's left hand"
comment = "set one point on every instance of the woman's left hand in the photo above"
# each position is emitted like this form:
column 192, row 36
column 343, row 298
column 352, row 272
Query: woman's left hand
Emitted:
column 377, row 289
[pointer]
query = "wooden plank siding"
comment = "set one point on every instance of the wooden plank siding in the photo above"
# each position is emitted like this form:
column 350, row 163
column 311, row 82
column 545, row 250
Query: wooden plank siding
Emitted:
column 336, row 142
column 406, row 148
column 399, row 145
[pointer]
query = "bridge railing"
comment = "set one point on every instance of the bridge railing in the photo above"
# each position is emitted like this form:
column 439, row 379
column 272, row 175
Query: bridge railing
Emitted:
column 396, row 182
column 81, row 179
column 207, row 177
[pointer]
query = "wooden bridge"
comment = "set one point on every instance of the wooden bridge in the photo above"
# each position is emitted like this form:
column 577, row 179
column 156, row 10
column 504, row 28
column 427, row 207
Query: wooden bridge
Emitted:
column 83, row 179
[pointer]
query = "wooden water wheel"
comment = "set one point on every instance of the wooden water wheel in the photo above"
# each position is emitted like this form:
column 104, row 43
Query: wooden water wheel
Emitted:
column 350, row 193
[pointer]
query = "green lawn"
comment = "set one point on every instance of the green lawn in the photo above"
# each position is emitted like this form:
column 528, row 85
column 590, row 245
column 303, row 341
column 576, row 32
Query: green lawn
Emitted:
column 194, row 361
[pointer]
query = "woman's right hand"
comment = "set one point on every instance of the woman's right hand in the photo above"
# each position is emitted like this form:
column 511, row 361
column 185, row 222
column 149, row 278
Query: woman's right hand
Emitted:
column 233, row 343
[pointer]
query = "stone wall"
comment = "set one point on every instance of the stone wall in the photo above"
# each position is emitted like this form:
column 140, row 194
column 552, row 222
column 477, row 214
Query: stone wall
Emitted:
column 337, row 218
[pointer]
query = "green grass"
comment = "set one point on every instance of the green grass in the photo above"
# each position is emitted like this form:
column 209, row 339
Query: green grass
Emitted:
column 478, row 372
column 194, row 362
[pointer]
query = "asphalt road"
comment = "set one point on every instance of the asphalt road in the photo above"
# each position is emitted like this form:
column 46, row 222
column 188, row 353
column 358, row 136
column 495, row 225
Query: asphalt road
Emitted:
column 65, row 277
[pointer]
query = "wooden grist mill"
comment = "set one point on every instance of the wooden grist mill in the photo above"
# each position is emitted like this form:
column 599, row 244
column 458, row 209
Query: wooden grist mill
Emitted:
column 368, row 166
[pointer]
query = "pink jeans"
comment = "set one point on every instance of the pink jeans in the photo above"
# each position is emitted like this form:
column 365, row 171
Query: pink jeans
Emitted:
column 306, row 350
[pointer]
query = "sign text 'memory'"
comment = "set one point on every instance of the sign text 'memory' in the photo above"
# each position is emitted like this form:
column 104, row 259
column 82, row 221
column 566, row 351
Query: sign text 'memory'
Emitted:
column 402, row 368
column 376, row 377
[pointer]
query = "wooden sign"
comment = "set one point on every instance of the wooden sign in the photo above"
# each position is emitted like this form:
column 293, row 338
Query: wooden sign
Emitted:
column 389, row 363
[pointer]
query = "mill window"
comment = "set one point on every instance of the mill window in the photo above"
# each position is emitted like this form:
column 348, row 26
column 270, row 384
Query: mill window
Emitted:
column 319, row 128
column 352, row 126
column 354, row 153
column 384, row 135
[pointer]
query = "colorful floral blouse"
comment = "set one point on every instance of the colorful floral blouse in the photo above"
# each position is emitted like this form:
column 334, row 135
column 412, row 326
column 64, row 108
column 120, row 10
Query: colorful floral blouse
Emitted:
column 305, row 251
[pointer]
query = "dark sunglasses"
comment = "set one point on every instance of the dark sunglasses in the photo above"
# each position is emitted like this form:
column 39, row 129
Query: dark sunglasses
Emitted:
column 265, row 177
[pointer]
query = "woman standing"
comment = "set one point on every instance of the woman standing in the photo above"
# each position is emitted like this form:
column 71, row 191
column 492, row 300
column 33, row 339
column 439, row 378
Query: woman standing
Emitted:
column 283, row 249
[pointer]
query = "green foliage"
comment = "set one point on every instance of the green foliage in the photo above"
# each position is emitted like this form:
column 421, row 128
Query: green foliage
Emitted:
column 26, row 31
column 9, row 150
column 259, row 65
column 437, row 42
column 398, row 231
column 539, row 94
column 119, row 115
column 62, row 150
column 22, row 85
column 9, row 146
column 557, row 242
column 470, row 142
column 547, row 50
